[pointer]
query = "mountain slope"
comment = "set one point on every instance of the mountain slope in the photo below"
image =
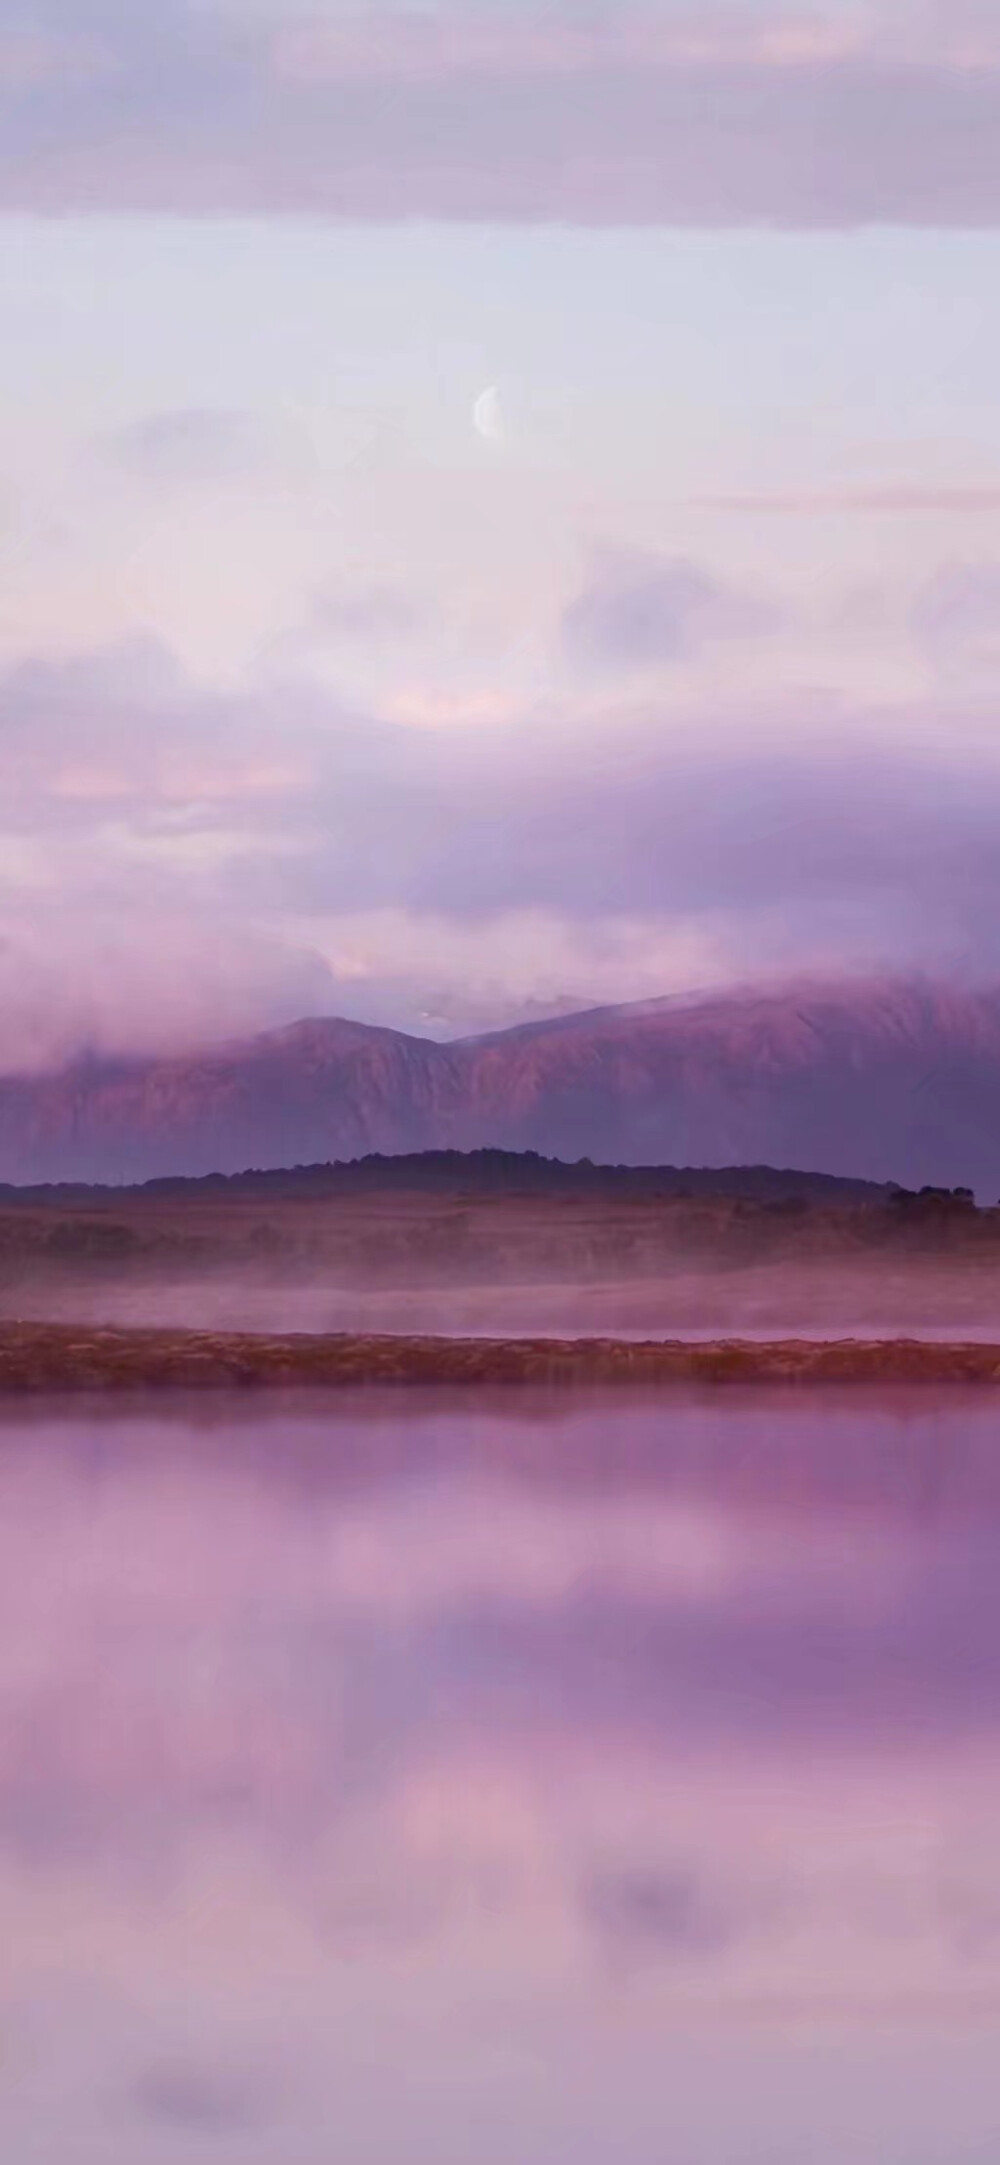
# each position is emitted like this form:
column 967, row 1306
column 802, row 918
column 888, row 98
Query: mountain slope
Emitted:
column 872, row 1080
column 314, row 1091
column 876, row 1080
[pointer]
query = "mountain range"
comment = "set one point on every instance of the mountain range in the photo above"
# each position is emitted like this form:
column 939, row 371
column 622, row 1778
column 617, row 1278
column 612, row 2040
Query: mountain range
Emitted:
column 876, row 1080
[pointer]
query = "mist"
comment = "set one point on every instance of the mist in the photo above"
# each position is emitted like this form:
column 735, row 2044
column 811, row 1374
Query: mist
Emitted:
column 919, row 1298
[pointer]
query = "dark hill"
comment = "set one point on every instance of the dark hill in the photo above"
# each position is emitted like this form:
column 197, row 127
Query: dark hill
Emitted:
column 471, row 1173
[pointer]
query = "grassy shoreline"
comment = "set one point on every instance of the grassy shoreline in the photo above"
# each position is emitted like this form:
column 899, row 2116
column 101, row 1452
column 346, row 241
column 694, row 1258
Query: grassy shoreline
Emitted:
column 59, row 1357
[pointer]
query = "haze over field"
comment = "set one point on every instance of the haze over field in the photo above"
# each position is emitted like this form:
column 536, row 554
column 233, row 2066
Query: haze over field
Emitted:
column 500, row 1246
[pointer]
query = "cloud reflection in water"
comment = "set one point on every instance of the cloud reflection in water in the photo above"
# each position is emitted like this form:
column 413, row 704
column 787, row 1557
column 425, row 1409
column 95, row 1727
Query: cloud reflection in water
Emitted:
column 462, row 1766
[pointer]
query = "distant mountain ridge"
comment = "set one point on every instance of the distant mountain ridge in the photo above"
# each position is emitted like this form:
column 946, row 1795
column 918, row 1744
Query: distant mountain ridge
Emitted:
column 867, row 1080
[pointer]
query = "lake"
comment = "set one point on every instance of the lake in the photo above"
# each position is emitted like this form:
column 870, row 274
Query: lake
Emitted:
column 514, row 1780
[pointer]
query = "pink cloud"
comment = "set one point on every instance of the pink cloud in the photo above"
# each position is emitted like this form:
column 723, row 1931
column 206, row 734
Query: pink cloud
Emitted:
column 178, row 862
column 956, row 619
column 96, row 978
column 640, row 610
column 399, row 45
column 902, row 501
column 31, row 58
column 684, row 116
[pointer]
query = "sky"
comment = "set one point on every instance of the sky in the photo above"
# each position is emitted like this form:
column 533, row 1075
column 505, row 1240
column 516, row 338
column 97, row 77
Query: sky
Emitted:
column 682, row 670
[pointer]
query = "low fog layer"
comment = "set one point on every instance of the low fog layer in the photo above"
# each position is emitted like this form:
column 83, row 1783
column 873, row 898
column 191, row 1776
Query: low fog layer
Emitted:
column 506, row 1264
column 764, row 1301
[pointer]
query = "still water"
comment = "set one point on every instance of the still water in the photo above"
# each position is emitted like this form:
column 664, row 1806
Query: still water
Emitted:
column 532, row 1781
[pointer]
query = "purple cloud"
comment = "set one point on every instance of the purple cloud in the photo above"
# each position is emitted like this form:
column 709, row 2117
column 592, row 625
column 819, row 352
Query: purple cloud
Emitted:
column 900, row 501
column 170, row 849
column 195, row 2099
column 198, row 444
column 956, row 621
column 688, row 117
column 642, row 610
column 375, row 612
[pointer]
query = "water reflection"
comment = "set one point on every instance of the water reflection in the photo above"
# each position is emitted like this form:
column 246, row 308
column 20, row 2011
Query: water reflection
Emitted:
column 538, row 1782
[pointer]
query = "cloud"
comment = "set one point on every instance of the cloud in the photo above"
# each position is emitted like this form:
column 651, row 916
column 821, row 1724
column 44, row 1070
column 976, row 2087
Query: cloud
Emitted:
column 900, row 501
column 376, row 612
column 642, row 610
column 78, row 977
column 190, row 2097
column 200, row 444
column 176, row 860
column 680, row 115
column 32, row 58
column 462, row 41
column 660, row 1910
column 956, row 622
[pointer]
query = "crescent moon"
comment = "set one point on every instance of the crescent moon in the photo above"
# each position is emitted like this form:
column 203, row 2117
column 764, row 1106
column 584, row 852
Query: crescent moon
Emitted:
column 487, row 415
